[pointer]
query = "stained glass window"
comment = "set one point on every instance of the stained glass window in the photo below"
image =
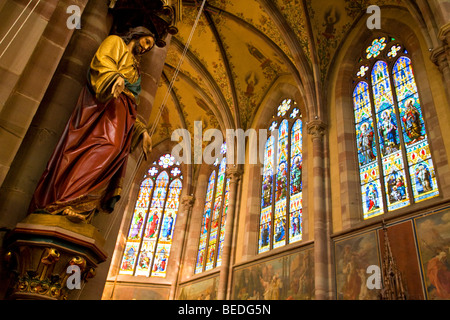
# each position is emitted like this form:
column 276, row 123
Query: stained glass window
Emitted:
column 281, row 193
column 212, row 234
column 149, row 239
column 394, row 157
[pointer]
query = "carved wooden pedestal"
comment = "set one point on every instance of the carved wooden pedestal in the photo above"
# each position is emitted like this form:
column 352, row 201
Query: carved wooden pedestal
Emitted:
column 51, row 258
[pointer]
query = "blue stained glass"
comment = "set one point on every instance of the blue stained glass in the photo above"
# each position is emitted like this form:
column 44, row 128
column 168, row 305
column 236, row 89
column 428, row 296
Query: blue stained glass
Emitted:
column 388, row 131
column 365, row 139
column 372, row 199
column 406, row 108
column 266, row 198
column 379, row 72
column 383, row 97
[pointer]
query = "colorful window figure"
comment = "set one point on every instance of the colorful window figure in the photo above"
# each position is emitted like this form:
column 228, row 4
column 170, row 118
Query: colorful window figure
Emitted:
column 149, row 240
column 212, row 234
column 281, row 194
column 394, row 157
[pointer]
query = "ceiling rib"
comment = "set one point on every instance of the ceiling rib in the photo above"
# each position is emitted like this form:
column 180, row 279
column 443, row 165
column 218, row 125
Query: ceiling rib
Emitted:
column 227, row 68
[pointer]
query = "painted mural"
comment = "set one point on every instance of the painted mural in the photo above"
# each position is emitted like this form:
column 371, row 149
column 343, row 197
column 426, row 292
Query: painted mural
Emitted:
column 433, row 239
column 353, row 256
column 200, row 290
column 290, row 277
column 332, row 20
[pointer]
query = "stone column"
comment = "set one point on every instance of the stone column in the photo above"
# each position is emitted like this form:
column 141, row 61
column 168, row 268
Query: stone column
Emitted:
column 316, row 129
column 441, row 56
column 54, row 111
column 187, row 202
column 234, row 174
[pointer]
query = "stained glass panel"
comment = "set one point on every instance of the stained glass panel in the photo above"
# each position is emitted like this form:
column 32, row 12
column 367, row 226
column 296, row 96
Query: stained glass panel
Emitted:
column 149, row 217
column 129, row 258
column 398, row 119
column 295, row 225
column 365, row 139
column 284, row 107
column 206, row 221
column 395, row 182
column 282, row 184
column 412, row 120
column 388, row 132
column 421, row 170
column 424, row 180
column 372, row 199
column 376, row 47
column 265, row 229
column 266, row 198
column 223, row 222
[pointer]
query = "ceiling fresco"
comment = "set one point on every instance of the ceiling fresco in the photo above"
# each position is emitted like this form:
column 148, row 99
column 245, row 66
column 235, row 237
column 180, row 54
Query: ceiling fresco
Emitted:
column 238, row 51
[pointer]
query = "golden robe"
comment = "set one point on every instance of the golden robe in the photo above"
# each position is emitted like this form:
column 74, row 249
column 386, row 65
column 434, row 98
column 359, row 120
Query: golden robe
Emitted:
column 86, row 170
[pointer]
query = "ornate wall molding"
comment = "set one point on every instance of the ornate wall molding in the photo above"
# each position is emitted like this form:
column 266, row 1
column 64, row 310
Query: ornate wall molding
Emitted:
column 39, row 252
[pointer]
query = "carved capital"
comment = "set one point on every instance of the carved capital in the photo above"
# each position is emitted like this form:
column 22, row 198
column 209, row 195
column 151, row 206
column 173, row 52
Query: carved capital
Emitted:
column 187, row 201
column 444, row 33
column 233, row 173
column 316, row 129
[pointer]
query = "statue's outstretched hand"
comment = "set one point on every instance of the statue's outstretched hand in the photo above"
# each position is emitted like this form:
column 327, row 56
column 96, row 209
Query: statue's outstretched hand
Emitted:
column 118, row 87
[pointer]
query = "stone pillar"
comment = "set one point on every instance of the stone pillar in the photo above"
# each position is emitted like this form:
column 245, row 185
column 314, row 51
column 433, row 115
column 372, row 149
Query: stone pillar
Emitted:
column 441, row 56
column 187, row 202
column 54, row 111
column 57, row 104
column 316, row 129
column 234, row 174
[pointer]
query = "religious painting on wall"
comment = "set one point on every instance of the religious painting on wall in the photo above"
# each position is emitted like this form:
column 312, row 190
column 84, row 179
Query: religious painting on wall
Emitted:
column 200, row 290
column 433, row 239
column 290, row 277
column 353, row 256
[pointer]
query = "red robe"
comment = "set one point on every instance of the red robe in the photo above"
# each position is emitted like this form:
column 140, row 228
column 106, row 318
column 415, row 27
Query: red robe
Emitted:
column 86, row 170
column 88, row 164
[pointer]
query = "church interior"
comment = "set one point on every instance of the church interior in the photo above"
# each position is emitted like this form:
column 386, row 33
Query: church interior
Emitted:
column 299, row 151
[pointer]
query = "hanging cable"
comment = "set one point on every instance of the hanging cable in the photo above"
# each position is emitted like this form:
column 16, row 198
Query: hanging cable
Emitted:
column 20, row 28
column 20, row 15
column 177, row 70
column 141, row 155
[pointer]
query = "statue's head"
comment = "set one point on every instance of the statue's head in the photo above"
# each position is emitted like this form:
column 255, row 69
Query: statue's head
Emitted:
column 143, row 40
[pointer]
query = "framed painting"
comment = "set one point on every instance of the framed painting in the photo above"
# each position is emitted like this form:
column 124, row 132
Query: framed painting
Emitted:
column 353, row 256
column 289, row 277
column 433, row 241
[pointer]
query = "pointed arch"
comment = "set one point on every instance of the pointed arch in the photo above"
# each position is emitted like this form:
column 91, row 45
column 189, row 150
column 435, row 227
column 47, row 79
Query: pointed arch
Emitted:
column 149, row 239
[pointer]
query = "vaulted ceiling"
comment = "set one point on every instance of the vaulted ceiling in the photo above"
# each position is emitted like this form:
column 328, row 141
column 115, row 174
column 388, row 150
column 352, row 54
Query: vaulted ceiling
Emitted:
column 239, row 49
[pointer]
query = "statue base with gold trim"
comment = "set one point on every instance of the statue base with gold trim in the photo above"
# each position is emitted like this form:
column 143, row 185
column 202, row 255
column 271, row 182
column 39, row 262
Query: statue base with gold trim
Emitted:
column 51, row 258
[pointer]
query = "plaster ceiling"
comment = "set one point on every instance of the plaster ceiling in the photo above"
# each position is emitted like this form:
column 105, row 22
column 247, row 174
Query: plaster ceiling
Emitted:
column 238, row 51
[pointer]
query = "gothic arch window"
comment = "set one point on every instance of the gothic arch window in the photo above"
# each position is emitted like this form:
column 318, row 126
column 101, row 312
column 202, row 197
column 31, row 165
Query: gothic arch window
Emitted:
column 212, row 234
column 395, row 163
column 281, row 194
column 149, row 239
